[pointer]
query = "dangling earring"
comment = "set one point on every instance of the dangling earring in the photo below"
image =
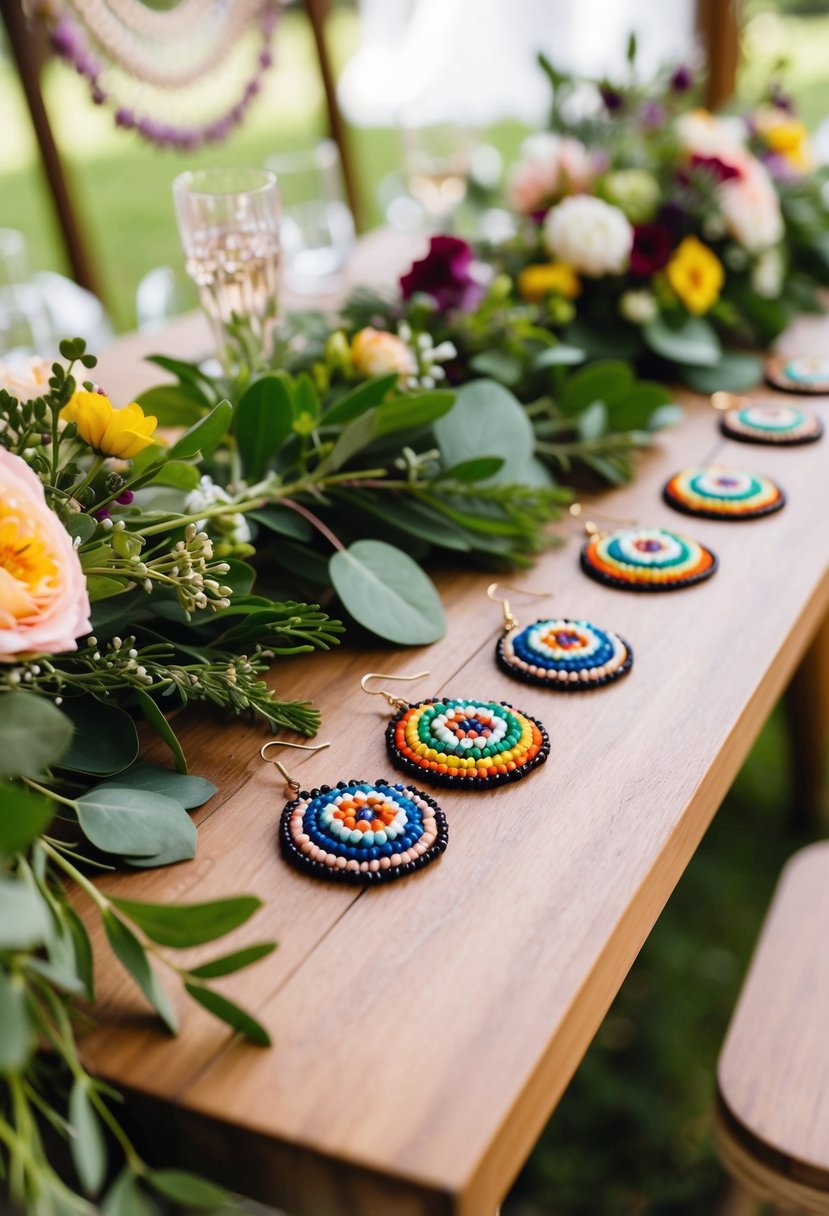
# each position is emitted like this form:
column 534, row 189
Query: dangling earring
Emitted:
column 799, row 375
column 559, row 653
column 362, row 832
column 644, row 559
column 714, row 492
column 769, row 422
column 466, row 744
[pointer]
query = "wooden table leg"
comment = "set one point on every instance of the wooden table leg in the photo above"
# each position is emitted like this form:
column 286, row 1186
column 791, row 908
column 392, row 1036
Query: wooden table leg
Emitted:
column 807, row 713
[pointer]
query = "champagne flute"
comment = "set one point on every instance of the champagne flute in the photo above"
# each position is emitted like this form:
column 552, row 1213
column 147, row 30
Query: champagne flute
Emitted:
column 436, row 158
column 228, row 220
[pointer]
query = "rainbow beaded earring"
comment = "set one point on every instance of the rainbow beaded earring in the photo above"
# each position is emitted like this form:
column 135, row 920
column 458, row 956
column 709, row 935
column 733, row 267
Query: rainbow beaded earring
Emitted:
column 359, row 832
column 558, row 653
column 645, row 559
column 465, row 744
column 799, row 375
column 772, row 423
column 714, row 492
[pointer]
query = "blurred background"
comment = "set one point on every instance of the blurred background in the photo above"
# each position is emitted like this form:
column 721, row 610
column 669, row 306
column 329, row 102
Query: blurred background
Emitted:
column 632, row 1135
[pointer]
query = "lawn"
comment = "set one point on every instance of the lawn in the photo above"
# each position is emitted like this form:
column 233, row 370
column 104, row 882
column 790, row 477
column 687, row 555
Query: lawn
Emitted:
column 632, row 1135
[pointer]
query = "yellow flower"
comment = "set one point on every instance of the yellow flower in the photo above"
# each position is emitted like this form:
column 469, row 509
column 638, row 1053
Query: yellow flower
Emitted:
column 112, row 432
column 786, row 136
column 547, row 279
column 696, row 275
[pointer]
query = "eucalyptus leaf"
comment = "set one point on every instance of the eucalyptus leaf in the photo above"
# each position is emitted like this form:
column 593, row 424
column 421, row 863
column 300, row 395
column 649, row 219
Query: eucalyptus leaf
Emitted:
column 105, row 739
column 81, row 526
column 88, row 1145
column 693, row 342
column 559, row 356
column 159, row 723
column 388, row 593
column 25, row 922
column 135, row 822
column 487, row 420
column 666, row 415
column 230, row 963
column 228, row 1012
column 84, row 962
column 608, row 381
column 263, row 421
column 506, row 369
column 23, row 817
column 205, row 435
column 16, row 1039
column 127, row 1198
column 35, row 734
column 188, row 1189
column 180, row 925
column 592, row 422
column 734, row 373
column 132, row 955
column 190, row 792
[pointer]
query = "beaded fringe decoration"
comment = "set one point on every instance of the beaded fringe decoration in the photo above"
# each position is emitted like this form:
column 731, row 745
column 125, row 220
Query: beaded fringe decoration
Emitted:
column 801, row 375
column 646, row 559
column 563, row 655
column 362, row 832
column 717, row 493
column 778, row 425
column 467, row 744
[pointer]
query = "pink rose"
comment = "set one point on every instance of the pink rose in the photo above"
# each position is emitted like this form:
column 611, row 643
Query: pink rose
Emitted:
column 44, row 606
column 751, row 208
column 551, row 166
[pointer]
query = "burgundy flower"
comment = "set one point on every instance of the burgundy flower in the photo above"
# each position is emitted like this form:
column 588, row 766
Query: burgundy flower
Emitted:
column 682, row 79
column 719, row 169
column 781, row 100
column 444, row 274
column 652, row 244
column 672, row 216
column 612, row 98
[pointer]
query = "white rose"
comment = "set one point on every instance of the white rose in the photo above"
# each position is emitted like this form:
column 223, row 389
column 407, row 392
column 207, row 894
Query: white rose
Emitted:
column 27, row 380
column 639, row 307
column 704, row 134
column 767, row 275
column 590, row 235
column 751, row 209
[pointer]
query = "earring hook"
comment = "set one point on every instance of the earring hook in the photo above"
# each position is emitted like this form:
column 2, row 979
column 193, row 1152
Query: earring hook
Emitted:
column 510, row 620
column 292, row 782
column 722, row 400
column 394, row 702
column 590, row 527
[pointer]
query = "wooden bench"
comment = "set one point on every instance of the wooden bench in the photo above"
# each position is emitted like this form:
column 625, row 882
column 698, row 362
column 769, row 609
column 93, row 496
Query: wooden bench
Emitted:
column 773, row 1074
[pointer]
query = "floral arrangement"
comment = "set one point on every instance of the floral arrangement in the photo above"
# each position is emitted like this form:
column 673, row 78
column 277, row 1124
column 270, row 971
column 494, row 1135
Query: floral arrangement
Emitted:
column 663, row 231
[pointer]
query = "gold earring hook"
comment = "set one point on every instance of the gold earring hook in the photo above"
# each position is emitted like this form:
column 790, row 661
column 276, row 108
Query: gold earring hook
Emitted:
column 394, row 702
column 510, row 620
column 291, row 782
column 592, row 528
column 722, row 400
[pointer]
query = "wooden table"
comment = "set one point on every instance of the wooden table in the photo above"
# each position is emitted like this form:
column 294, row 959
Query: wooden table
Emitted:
column 423, row 1033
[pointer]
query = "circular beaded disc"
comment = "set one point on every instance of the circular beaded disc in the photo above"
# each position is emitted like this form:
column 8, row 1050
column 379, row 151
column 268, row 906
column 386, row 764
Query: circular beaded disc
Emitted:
column 466, row 744
column 780, row 425
column 564, row 655
column 362, row 831
column 717, row 493
column 800, row 375
column 646, row 559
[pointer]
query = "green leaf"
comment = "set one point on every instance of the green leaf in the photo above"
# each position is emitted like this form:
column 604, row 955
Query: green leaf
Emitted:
column 16, row 1038
column 264, row 420
column 607, row 381
column 734, row 373
column 88, row 1146
column 176, row 474
column 126, row 1198
column 135, row 823
column 190, row 374
column 666, row 415
column 592, row 422
column 388, row 593
column 105, row 739
column 181, row 925
column 101, row 587
column 162, row 727
column 559, row 356
column 189, row 792
column 23, row 817
column 172, row 404
column 228, row 963
column 35, row 734
column 306, row 399
column 84, row 962
column 132, row 955
column 361, row 399
column 226, row 1011
column 487, row 420
column 411, row 413
column 412, row 517
column 81, row 526
column 603, row 340
column 480, row 468
column 506, row 369
column 283, row 521
column 693, row 342
column 634, row 412
column 204, row 435
column 188, row 1189
column 24, row 916
column 353, row 438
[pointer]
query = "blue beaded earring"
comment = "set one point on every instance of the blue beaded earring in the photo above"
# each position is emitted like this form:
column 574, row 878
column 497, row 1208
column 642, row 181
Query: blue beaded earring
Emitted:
column 358, row 832
column 559, row 653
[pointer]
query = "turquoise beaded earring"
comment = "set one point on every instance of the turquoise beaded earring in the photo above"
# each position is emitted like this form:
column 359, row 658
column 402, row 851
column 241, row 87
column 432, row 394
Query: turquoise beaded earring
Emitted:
column 558, row 653
column 359, row 832
column 776, row 423
column 462, row 743
column 644, row 559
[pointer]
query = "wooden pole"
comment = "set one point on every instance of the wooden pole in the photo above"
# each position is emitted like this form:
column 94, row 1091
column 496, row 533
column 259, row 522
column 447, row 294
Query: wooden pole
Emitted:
column 28, row 56
column 719, row 27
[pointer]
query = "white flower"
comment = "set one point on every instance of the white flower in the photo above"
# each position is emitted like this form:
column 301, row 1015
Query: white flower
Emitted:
column 638, row 307
column 767, row 275
column 550, row 167
column 703, row 134
column 751, row 208
column 207, row 494
column 590, row 235
column 26, row 380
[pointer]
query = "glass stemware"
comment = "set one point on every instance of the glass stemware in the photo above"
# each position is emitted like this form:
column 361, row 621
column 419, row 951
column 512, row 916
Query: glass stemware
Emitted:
column 436, row 159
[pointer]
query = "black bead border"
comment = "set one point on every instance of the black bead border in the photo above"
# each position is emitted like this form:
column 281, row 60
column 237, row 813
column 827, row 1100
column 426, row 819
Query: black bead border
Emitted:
column 618, row 584
column 684, row 508
column 359, row 878
column 776, row 377
column 470, row 785
column 768, row 441
column 563, row 685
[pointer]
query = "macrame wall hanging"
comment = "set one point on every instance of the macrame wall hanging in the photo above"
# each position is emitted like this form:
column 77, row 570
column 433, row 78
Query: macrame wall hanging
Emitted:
column 159, row 68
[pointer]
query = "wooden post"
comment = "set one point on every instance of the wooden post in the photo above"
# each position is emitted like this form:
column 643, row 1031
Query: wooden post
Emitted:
column 28, row 55
column 317, row 11
column 719, row 27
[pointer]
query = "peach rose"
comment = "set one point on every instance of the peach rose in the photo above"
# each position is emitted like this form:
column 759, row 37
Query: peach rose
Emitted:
column 551, row 166
column 751, row 208
column 27, row 381
column 375, row 352
column 44, row 606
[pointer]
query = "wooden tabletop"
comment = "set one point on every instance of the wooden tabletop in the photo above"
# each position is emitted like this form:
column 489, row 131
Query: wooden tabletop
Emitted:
column 424, row 1032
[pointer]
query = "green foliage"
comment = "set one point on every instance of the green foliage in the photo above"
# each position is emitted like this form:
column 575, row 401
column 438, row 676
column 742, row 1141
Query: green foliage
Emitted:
column 388, row 592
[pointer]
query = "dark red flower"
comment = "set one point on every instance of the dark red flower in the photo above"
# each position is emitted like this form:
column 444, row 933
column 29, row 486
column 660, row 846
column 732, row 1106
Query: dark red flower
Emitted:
column 682, row 79
column 720, row 170
column 612, row 98
column 445, row 275
column 652, row 244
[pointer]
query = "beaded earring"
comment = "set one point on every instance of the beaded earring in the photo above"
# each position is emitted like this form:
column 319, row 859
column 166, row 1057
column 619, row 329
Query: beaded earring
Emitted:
column 359, row 832
column 799, row 375
column 559, row 653
column 777, row 425
column 465, row 744
column 714, row 492
column 644, row 559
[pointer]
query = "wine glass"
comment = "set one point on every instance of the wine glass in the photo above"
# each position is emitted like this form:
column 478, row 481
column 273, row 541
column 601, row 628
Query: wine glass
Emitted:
column 228, row 220
column 436, row 160
column 317, row 225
